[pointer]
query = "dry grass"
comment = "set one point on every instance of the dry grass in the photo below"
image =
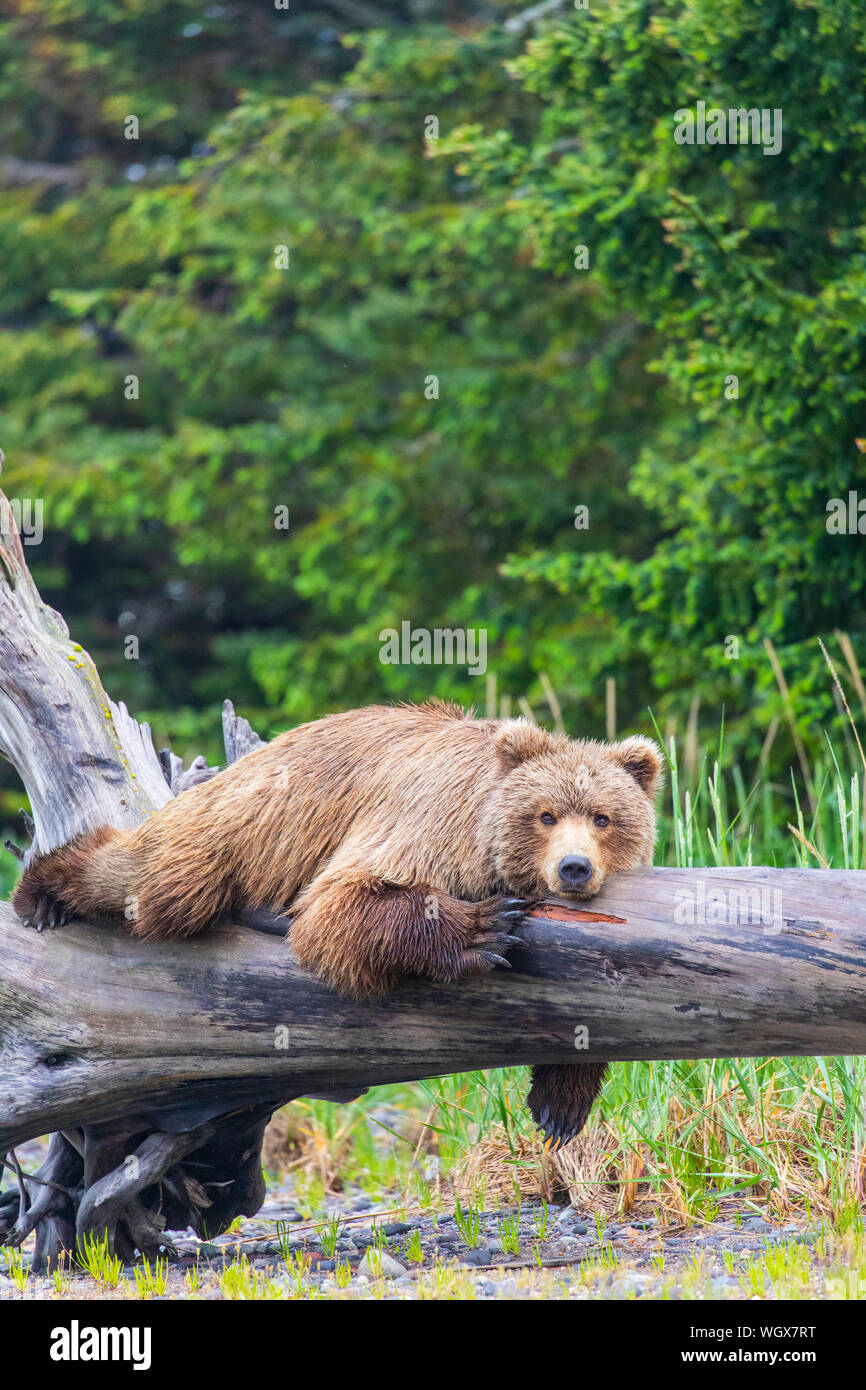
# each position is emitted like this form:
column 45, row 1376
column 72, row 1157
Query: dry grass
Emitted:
column 784, row 1157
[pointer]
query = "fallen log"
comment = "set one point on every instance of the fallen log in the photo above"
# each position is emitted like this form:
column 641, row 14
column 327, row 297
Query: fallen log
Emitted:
column 158, row 1065
column 99, row 1027
column 155, row 1066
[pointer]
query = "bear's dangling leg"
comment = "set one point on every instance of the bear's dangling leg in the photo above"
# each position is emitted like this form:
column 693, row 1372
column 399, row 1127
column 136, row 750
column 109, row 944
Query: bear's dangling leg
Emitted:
column 561, row 1098
column 86, row 877
column 362, row 934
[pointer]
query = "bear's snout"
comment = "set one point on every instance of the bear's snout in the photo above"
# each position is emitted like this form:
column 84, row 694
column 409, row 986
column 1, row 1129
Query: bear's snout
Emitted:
column 575, row 870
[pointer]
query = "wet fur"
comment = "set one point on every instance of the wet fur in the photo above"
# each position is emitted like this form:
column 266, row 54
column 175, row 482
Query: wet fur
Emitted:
column 395, row 835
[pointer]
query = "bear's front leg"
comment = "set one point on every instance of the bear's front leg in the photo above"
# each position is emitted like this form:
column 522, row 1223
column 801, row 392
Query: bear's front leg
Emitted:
column 562, row 1096
column 362, row 934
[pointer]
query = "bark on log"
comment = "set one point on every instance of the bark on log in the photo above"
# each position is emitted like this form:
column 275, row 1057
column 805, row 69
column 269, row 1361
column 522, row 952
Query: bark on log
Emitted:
column 157, row 1065
column 84, row 760
column 97, row 1026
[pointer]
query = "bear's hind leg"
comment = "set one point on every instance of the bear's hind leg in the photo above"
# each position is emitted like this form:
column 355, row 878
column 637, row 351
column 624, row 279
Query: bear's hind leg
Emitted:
column 561, row 1098
column 362, row 934
column 86, row 877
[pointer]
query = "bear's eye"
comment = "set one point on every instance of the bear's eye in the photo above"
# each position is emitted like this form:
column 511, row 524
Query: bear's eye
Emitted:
column 547, row 819
column 601, row 821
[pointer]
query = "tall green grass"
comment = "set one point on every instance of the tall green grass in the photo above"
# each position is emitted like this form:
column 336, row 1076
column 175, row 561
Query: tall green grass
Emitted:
column 767, row 1134
column 718, row 818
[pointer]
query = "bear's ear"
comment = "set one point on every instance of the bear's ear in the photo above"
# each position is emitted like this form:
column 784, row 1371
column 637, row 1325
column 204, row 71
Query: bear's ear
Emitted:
column 642, row 759
column 516, row 740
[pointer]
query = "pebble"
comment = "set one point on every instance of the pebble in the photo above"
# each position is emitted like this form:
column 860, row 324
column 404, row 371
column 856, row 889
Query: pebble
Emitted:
column 756, row 1223
column 634, row 1282
column 380, row 1265
column 571, row 1222
column 568, row 1236
column 481, row 1256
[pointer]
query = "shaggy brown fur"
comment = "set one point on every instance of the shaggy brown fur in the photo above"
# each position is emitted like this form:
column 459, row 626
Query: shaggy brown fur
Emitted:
column 395, row 835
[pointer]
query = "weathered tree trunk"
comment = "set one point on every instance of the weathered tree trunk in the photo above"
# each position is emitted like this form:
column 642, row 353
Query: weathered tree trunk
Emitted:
column 156, row 1065
column 86, row 762
column 108, row 1029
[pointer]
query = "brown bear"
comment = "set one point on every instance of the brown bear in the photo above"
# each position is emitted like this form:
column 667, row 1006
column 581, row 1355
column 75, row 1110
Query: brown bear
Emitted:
column 355, row 824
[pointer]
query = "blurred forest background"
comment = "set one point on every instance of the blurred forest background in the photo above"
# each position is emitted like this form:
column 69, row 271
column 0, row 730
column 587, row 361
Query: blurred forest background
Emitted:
column 431, row 167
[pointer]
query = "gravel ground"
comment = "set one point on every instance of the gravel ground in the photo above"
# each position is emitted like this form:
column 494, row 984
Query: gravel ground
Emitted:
column 383, row 1252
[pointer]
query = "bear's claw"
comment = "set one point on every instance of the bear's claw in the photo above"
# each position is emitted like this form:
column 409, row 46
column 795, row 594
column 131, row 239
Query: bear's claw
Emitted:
column 46, row 911
column 486, row 945
column 494, row 959
column 510, row 909
column 559, row 1132
column 561, row 1099
column 556, row 1136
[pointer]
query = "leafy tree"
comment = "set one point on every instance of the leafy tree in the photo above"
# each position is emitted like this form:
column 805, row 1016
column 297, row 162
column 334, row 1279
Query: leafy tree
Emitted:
column 419, row 396
column 747, row 266
column 339, row 278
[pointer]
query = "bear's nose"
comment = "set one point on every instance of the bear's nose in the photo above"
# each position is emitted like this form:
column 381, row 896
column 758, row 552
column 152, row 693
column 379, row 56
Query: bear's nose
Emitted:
column 574, row 870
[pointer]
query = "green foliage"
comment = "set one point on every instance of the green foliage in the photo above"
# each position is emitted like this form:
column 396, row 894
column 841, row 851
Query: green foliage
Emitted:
column 305, row 388
column 410, row 257
column 740, row 264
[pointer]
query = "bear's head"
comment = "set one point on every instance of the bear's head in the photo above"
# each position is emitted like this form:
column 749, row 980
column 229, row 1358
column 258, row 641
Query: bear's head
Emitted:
column 569, row 812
